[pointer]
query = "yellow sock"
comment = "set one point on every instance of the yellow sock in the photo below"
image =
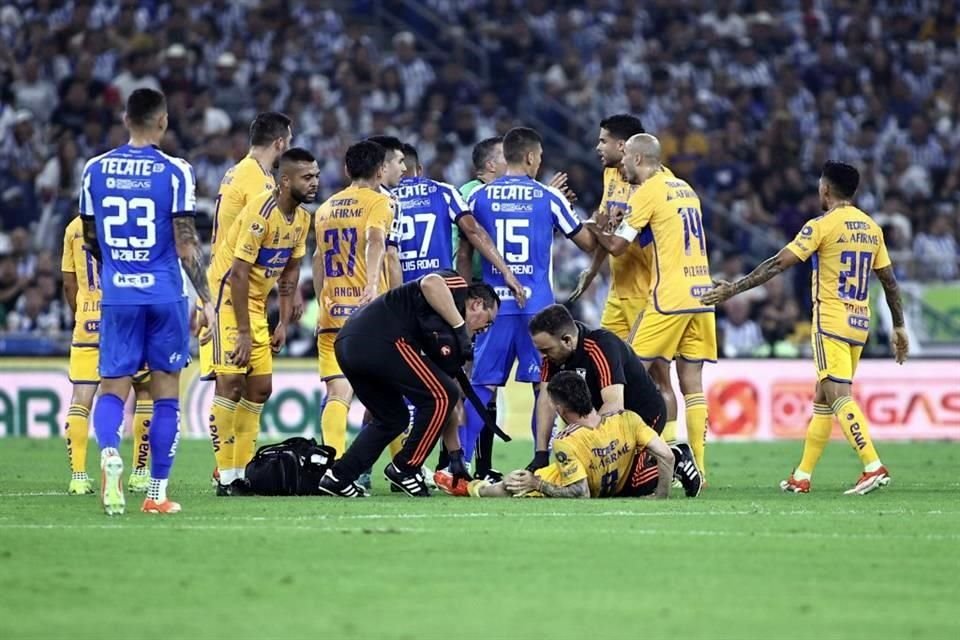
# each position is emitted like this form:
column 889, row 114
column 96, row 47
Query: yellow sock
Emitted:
column 247, row 426
column 141, row 435
column 857, row 431
column 669, row 434
column 222, row 433
column 333, row 424
column 696, row 405
column 78, row 435
column 818, row 435
column 397, row 443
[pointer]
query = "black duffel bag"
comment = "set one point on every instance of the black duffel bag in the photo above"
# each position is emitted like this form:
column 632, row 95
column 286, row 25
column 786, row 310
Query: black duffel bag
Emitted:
column 293, row 467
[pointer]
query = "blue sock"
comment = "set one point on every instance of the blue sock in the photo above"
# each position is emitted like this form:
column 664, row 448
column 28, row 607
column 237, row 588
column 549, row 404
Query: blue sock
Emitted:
column 470, row 431
column 164, row 434
column 108, row 420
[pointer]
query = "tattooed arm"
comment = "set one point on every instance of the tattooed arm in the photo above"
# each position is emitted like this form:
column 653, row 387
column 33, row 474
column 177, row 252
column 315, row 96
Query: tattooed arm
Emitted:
column 286, row 287
column 766, row 270
column 900, row 342
column 90, row 238
column 191, row 255
column 523, row 481
column 578, row 489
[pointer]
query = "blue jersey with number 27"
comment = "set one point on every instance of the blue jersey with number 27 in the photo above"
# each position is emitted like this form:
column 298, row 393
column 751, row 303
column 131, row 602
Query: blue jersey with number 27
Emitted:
column 423, row 229
column 520, row 214
column 134, row 193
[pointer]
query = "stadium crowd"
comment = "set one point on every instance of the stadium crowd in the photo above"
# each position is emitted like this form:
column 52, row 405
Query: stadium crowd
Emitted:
column 749, row 97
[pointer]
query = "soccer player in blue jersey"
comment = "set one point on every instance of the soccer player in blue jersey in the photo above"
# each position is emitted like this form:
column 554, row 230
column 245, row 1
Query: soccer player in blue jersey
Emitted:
column 138, row 206
column 522, row 214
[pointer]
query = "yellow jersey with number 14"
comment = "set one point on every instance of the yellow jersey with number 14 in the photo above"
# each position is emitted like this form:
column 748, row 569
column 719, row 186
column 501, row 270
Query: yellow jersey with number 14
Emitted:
column 77, row 260
column 629, row 273
column 681, row 268
column 846, row 245
column 262, row 236
column 603, row 455
column 240, row 184
column 342, row 223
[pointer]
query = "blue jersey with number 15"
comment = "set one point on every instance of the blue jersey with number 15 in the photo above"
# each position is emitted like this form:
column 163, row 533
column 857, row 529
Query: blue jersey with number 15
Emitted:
column 423, row 229
column 134, row 193
column 520, row 214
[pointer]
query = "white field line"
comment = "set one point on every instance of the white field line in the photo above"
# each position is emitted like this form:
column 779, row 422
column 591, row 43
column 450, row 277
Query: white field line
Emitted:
column 697, row 533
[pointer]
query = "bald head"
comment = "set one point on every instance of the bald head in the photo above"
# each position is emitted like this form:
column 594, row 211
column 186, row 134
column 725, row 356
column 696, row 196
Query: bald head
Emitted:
column 641, row 157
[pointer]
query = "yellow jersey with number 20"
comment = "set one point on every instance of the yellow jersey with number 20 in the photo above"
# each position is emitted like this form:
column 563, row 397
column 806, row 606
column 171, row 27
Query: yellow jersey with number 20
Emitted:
column 846, row 245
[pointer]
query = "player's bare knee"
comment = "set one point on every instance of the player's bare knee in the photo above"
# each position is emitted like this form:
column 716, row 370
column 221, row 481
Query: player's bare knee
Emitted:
column 832, row 391
column 83, row 395
column 165, row 384
column 690, row 376
column 229, row 387
column 142, row 392
column 258, row 389
column 339, row 389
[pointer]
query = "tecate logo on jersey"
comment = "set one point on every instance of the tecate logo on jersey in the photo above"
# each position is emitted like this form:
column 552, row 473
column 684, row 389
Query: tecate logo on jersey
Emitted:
column 506, row 294
column 130, row 167
column 137, row 281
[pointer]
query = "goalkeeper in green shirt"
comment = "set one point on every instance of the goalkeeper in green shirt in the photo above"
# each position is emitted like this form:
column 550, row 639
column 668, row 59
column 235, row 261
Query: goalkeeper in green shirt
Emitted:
column 488, row 165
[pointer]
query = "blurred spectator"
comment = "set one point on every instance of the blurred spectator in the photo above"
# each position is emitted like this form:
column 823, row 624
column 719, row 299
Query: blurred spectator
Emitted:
column 36, row 311
column 33, row 92
column 136, row 74
column 741, row 335
column 416, row 73
column 935, row 250
column 24, row 260
column 11, row 286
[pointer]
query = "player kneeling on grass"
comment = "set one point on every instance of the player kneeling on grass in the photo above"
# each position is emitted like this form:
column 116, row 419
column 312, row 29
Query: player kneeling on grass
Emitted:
column 614, row 455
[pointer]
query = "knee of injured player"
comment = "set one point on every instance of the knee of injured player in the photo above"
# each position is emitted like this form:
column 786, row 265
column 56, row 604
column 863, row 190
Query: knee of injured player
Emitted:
column 230, row 386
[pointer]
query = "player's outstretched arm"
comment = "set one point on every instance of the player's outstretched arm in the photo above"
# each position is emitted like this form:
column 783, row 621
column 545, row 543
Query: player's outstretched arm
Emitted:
column 585, row 279
column 438, row 296
column 611, row 243
column 394, row 270
column 900, row 341
column 766, row 270
column 478, row 237
column 585, row 240
column 465, row 259
column 523, row 481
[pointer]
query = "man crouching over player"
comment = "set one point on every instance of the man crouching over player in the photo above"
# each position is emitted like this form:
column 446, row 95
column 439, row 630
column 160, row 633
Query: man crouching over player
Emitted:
column 611, row 456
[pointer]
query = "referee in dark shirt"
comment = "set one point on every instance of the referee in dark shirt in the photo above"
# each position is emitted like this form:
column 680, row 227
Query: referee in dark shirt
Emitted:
column 406, row 345
column 615, row 375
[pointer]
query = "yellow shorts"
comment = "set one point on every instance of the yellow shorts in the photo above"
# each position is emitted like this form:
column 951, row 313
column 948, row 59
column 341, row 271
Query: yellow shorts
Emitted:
column 225, row 341
column 691, row 336
column 85, row 365
column 329, row 367
column 834, row 359
column 620, row 314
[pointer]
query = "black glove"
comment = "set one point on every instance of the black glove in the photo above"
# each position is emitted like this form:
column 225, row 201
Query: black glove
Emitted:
column 464, row 342
column 540, row 460
column 458, row 468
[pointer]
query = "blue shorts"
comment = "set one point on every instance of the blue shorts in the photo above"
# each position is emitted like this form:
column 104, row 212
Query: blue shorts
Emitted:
column 497, row 348
column 134, row 335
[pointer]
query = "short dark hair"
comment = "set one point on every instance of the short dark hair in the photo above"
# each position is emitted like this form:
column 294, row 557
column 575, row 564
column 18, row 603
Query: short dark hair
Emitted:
column 483, row 291
column 554, row 320
column 518, row 142
column 390, row 143
column 844, row 178
column 267, row 127
column 483, row 150
column 144, row 104
column 622, row 126
column 363, row 159
column 296, row 155
column 410, row 152
column 569, row 389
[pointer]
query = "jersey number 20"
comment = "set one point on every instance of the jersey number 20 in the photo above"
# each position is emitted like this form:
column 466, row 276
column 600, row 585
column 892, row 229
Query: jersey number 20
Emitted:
column 853, row 283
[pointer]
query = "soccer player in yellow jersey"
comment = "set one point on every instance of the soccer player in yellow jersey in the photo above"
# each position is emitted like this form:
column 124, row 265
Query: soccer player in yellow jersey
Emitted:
column 614, row 455
column 270, row 136
column 631, row 272
column 264, row 246
column 81, row 286
column 394, row 168
column 846, row 246
column 348, row 270
column 675, row 325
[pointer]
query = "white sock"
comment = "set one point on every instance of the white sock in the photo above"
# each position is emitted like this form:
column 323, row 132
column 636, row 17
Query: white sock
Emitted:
column 240, row 474
column 157, row 490
column 106, row 453
column 873, row 466
column 227, row 476
column 801, row 475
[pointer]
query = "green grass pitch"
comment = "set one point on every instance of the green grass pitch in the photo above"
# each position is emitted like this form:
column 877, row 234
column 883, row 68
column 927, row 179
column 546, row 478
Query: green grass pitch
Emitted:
column 741, row 561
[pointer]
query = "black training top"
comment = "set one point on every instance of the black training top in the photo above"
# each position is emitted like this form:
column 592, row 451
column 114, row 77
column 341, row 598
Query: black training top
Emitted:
column 404, row 312
column 603, row 359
